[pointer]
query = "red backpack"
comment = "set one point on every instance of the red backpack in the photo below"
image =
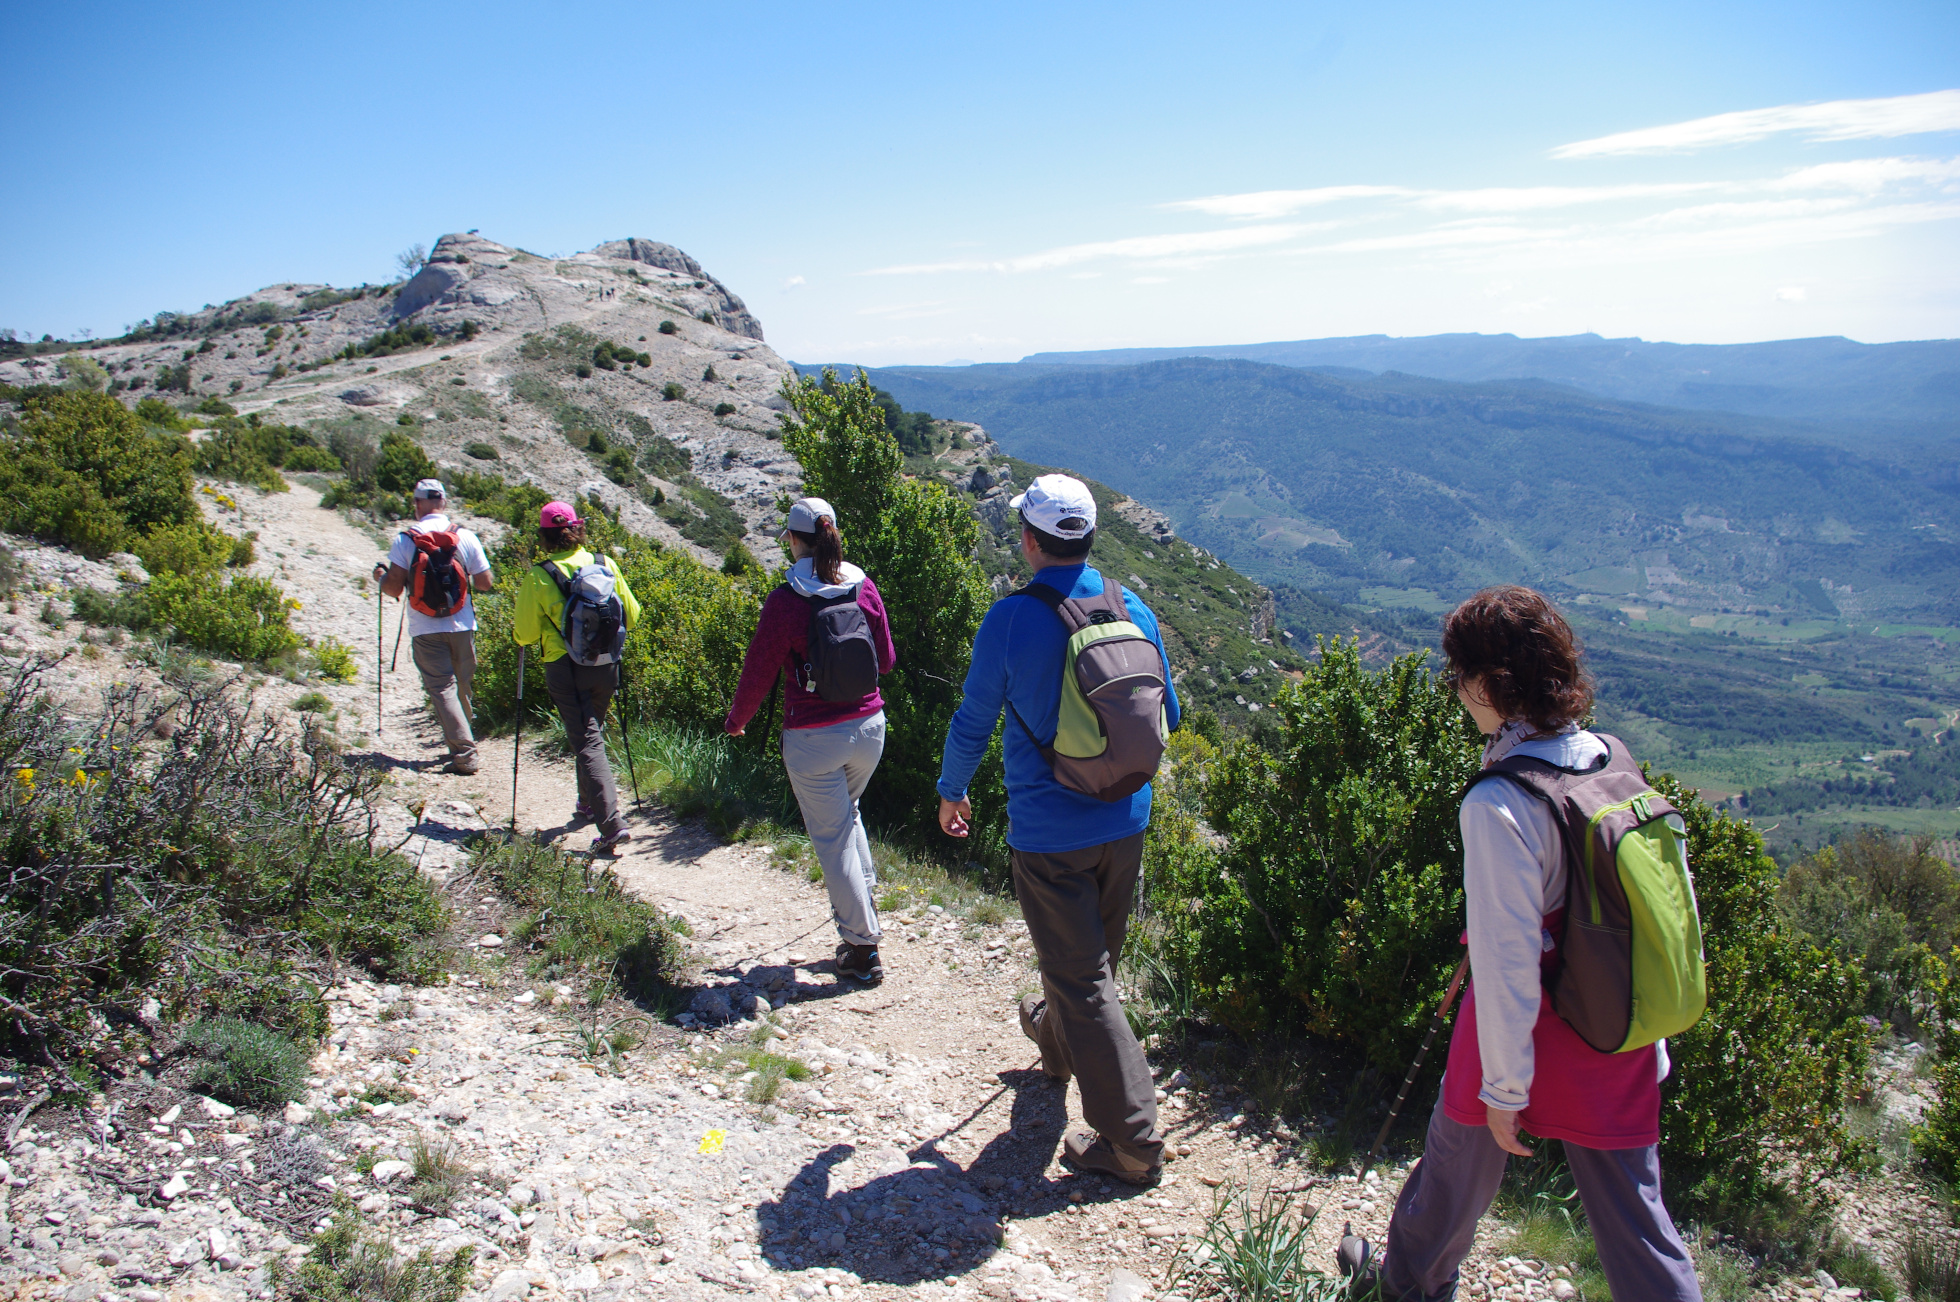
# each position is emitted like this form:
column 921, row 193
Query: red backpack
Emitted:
column 437, row 585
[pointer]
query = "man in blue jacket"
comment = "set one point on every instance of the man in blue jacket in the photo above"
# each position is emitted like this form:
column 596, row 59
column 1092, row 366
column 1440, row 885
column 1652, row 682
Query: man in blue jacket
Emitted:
column 1075, row 857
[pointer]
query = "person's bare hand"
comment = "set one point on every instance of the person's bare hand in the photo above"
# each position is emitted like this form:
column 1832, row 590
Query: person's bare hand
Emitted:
column 955, row 816
column 1504, row 1129
column 736, row 732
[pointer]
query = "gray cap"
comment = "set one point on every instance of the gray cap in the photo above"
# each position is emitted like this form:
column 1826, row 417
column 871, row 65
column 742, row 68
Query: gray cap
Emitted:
column 430, row 490
column 803, row 516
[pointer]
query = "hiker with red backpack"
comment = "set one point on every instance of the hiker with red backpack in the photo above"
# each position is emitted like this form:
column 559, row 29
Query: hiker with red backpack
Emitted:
column 577, row 606
column 1584, row 953
column 437, row 566
column 1077, row 663
column 823, row 632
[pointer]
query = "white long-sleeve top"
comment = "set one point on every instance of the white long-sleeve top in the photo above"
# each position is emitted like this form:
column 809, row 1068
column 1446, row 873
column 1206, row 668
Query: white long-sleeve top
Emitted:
column 1514, row 873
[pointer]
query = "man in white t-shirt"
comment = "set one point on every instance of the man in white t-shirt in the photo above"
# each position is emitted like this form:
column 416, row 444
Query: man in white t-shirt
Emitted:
column 444, row 645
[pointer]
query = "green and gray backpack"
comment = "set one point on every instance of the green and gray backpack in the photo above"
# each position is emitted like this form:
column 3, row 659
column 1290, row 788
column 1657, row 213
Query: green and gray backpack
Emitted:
column 1630, row 963
column 1109, row 737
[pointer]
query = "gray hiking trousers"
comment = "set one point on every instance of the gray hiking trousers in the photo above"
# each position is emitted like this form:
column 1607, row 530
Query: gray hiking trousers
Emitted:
column 582, row 694
column 1452, row 1186
column 1077, row 907
column 447, row 663
column 829, row 768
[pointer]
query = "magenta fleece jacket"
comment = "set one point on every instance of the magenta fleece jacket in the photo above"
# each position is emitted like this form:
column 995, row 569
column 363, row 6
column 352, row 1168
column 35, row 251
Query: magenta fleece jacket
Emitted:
column 781, row 643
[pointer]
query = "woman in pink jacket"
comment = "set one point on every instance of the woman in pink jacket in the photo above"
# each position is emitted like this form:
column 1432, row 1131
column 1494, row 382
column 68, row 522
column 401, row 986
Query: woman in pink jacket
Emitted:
column 831, row 741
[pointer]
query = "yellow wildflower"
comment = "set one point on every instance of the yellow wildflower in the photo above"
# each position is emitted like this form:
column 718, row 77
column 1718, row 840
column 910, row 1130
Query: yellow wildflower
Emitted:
column 25, row 777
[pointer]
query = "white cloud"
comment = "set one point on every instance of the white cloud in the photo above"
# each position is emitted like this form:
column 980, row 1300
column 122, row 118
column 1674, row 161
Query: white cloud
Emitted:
column 1527, row 199
column 1791, row 294
column 1265, row 205
column 1843, row 119
column 1150, row 280
column 906, row 311
column 1139, row 246
column 793, row 282
column 1868, row 174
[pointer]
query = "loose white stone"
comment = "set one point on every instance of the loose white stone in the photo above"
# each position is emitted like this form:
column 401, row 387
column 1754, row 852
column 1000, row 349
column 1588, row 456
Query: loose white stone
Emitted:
column 175, row 1187
column 385, row 1171
column 491, row 941
column 298, row 1115
column 170, row 1118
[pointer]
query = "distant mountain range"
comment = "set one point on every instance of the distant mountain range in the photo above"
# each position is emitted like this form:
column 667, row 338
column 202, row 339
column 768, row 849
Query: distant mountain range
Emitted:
column 1913, row 388
column 1351, row 483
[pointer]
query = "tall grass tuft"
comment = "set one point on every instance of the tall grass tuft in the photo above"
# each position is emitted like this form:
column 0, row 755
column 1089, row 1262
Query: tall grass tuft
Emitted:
column 736, row 785
column 1256, row 1251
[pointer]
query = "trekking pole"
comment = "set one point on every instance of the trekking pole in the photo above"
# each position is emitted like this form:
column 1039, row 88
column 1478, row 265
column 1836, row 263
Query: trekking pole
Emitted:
column 517, row 739
column 396, row 658
column 1435, row 1025
column 626, row 738
column 380, row 625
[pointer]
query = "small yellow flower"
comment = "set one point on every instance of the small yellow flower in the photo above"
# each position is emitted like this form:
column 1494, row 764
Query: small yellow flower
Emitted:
column 25, row 777
column 712, row 1141
column 292, row 603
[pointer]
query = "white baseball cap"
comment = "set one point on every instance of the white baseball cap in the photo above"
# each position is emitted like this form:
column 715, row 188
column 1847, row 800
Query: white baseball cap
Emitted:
column 1060, row 505
column 430, row 490
column 805, row 513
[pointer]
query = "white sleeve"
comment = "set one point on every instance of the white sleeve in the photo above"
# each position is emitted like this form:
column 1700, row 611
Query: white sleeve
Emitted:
column 401, row 552
column 1504, row 890
column 475, row 561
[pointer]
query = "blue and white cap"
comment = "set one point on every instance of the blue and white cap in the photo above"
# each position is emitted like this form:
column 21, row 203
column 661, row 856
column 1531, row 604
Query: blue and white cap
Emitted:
column 805, row 513
column 1058, row 505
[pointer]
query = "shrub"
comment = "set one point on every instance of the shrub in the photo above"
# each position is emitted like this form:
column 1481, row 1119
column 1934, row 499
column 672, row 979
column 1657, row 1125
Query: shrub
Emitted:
column 708, row 376
column 481, row 451
column 312, row 703
column 215, row 406
column 245, row 454
column 595, row 442
column 1879, row 903
column 918, row 541
column 244, row 550
column 246, row 1064
column 724, row 409
column 401, row 463
column 194, row 547
column 401, row 338
column 311, row 458
column 672, row 391
column 83, row 470
column 155, row 411
column 241, row 618
column 1335, row 906
column 669, row 328
column 334, row 659
column 83, row 374
column 176, row 378
column 347, row 1264
column 619, row 466
column 664, row 457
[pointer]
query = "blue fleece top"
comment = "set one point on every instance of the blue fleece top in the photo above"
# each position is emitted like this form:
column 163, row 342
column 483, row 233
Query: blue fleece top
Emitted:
column 1017, row 658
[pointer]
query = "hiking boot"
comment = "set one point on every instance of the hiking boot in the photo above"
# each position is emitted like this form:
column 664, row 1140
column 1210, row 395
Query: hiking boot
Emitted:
column 1092, row 1154
column 1032, row 1009
column 604, row 844
column 461, row 768
column 860, row 961
column 582, row 814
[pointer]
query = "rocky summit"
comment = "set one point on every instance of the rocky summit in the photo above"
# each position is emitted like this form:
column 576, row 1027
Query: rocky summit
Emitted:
column 499, row 350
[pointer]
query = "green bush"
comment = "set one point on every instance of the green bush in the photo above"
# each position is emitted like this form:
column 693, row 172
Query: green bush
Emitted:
column 724, row 409
column 241, row 618
column 1335, row 906
column 481, row 451
column 334, row 659
column 917, row 541
column 311, row 458
column 619, row 466
column 669, row 328
column 245, row 1064
column 672, row 391
column 83, row 374
column 193, row 547
column 663, row 457
column 1879, row 903
column 347, row 1264
column 83, row 470
column 155, row 411
column 401, row 463
column 215, row 406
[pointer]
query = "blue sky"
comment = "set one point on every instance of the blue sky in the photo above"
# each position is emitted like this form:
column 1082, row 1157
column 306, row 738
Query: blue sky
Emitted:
column 918, row 183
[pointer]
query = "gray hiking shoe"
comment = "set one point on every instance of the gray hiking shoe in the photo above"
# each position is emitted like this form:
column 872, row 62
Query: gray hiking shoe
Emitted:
column 1032, row 1009
column 860, row 961
column 1092, row 1154
column 610, row 841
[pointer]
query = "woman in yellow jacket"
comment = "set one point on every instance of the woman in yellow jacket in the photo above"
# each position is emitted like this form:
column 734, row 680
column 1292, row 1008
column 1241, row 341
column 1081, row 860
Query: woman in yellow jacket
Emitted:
column 582, row 693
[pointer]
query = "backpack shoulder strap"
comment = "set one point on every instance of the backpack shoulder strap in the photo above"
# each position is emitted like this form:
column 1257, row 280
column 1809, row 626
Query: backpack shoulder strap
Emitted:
column 559, row 580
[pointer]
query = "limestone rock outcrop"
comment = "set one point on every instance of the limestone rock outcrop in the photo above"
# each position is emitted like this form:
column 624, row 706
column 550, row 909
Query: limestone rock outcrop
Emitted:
column 731, row 313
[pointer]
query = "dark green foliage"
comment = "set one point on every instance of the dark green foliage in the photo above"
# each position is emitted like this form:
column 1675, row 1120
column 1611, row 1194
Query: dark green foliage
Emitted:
column 595, row 442
column 241, row 618
column 247, row 452
column 917, row 540
column 913, row 429
column 155, row 411
column 663, row 457
column 346, row 1264
column 672, row 391
column 1768, row 1070
column 608, row 356
column 194, row 547
column 310, row 458
column 669, row 328
column 703, row 516
column 1335, row 905
column 481, row 451
column 619, row 466
column 469, row 331
column 238, row 861
column 245, row 1064
column 401, row 463
column 173, row 378
column 216, row 407
column 578, row 916
column 83, row 470
column 1878, row 903
column 708, row 375
column 740, row 560
column 402, row 338
column 724, row 409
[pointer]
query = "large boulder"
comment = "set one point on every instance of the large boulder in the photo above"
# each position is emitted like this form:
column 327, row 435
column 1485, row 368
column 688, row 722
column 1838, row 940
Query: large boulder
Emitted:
column 731, row 314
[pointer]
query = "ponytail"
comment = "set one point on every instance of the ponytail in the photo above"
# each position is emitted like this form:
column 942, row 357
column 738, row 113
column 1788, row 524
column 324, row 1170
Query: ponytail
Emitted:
column 826, row 548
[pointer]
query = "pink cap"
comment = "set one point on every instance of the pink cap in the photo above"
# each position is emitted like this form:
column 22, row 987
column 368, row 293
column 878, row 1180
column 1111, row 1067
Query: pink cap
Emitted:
column 556, row 515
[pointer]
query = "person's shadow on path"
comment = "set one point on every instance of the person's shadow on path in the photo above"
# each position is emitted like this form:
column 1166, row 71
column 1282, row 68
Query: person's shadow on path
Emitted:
column 921, row 1215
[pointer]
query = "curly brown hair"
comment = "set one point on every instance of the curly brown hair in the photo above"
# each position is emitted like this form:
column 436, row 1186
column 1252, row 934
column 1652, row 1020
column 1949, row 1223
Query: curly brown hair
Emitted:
column 1527, row 658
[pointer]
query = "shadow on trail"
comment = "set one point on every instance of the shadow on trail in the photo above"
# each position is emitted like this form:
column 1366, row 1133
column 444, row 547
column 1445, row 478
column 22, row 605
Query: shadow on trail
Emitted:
column 898, row 1218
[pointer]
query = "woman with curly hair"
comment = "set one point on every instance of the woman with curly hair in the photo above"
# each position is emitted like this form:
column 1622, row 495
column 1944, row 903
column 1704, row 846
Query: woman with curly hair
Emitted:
column 1514, row 1064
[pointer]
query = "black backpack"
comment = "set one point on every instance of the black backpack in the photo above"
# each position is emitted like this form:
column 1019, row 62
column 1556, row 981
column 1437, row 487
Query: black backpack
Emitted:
column 842, row 661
